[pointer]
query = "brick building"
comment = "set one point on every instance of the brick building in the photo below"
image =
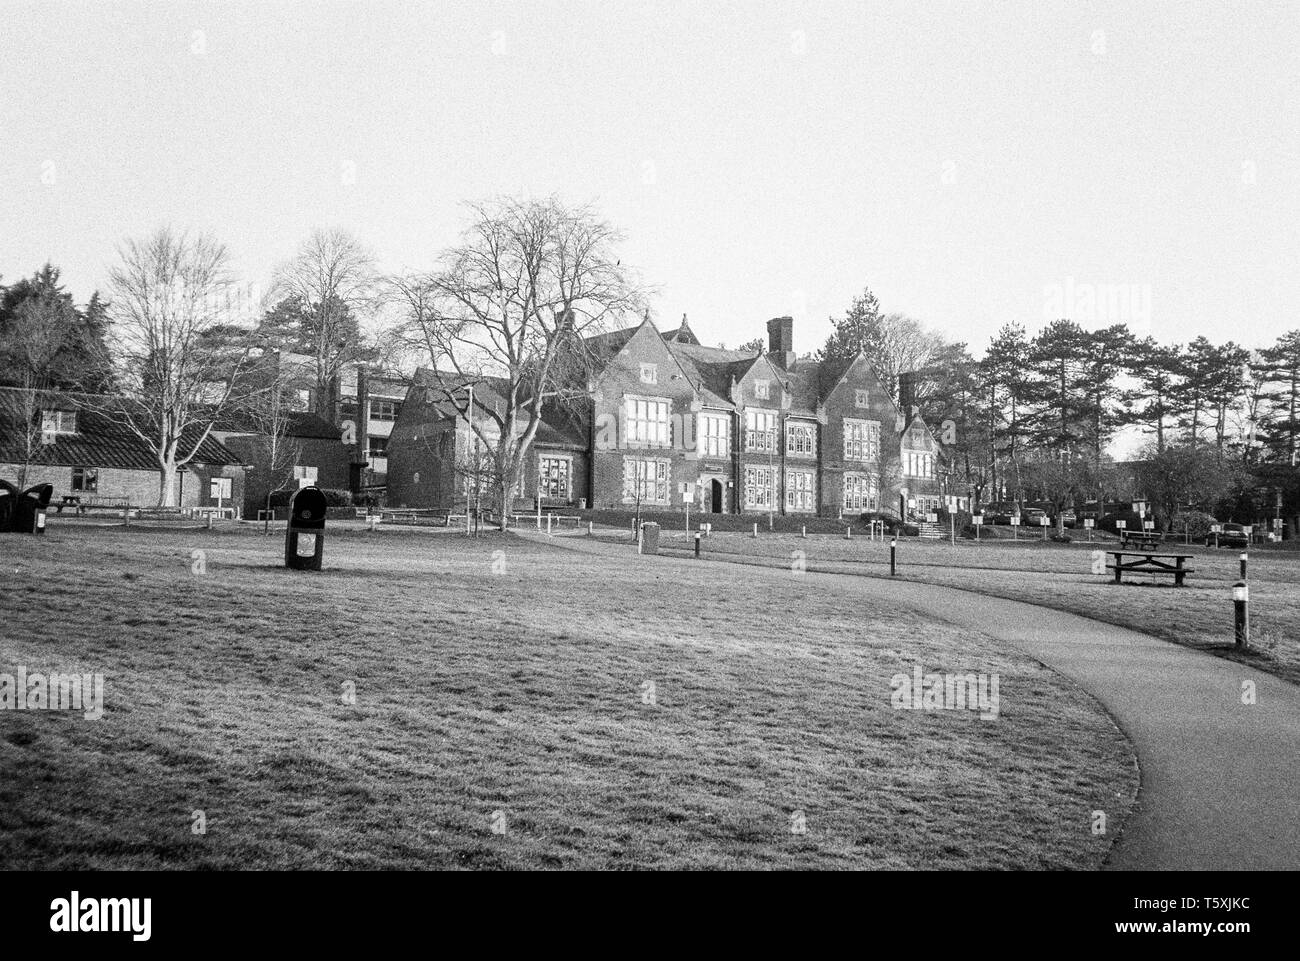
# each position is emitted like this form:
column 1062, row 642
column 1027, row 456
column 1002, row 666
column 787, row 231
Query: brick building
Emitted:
column 68, row 440
column 669, row 419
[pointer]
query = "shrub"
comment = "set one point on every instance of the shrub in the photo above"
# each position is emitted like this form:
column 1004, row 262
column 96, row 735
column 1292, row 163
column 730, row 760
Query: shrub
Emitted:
column 1198, row 523
column 1132, row 521
column 333, row 497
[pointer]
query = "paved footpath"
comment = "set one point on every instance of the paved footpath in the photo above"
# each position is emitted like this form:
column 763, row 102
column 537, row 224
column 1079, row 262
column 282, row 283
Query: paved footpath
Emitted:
column 1220, row 783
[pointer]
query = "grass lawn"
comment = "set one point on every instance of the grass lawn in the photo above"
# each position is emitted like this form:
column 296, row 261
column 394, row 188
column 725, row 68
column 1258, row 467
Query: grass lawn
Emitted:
column 1199, row 614
column 503, row 684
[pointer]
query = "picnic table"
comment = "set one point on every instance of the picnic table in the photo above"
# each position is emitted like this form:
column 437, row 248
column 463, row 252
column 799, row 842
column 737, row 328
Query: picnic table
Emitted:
column 1150, row 561
column 1147, row 540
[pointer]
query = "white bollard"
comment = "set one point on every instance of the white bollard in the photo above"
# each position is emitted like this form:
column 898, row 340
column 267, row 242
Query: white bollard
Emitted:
column 588, row 528
column 803, row 531
column 548, row 525
column 755, row 530
column 848, row 533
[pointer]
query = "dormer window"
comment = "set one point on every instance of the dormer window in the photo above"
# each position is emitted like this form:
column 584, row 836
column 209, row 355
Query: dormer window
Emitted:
column 58, row 421
column 763, row 389
column 649, row 373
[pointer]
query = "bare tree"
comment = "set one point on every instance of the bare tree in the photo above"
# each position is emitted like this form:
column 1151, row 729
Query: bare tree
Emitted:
column 333, row 283
column 40, row 329
column 172, row 303
column 514, row 302
column 275, row 453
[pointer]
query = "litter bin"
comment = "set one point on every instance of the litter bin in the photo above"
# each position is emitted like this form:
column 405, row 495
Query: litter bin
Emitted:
column 304, row 536
column 649, row 538
column 8, row 501
column 29, row 513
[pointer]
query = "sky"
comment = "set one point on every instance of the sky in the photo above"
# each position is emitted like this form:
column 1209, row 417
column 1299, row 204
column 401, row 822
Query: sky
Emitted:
column 973, row 163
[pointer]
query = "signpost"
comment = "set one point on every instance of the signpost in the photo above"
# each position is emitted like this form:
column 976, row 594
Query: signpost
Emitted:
column 1088, row 523
column 1043, row 522
column 978, row 521
column 1216, row 530
column 1015, row 522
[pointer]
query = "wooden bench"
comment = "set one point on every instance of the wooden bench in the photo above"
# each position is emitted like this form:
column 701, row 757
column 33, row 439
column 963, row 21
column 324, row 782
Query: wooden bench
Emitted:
column 1150, row 562
column 222, row 512
column 103, row 504
column 1142, row 540
column 414, row 515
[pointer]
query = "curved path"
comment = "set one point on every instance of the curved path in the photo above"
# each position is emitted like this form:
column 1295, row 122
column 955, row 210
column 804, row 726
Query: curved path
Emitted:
column 1220, row 780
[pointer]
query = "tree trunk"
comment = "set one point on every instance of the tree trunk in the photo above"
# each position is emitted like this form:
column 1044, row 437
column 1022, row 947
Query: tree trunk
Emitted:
column 167, row 484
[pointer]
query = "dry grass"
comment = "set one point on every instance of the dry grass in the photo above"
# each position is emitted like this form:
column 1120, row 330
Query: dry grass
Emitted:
column 519, row 692
column 1198, row 615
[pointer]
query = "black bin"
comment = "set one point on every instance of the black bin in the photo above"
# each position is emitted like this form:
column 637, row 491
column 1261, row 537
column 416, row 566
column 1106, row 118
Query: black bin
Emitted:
column 29, row 512
column 304, row 538
column 8, row 501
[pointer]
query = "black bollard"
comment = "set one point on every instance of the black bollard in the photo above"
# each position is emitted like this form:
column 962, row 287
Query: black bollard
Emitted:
column 893, row 557
column 1244, row 558
column 697, row 545
column 1241, row 604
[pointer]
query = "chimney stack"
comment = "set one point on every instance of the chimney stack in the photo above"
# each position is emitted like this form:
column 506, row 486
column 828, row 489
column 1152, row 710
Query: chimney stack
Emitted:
column 780, row 341
column 907, row 393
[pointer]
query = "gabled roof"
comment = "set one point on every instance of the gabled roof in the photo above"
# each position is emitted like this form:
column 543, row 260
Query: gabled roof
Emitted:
column 429, row 386
column 682, row 335
column 299, row 423
column 100, row 440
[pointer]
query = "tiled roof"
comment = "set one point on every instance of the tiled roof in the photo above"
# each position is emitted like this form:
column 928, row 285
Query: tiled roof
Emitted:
column 101, row 439
column 302, row 424
column 555, row 429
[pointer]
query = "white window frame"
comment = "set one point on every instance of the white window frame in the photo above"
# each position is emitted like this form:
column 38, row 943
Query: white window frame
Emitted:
column 57, row 421
column 87, row 482
column 648, row 421
column 800, row 490
column 714, row 434
column 394, row 405
column 861, row 493
column 654, row 472
column 920, row 463
column 806, row 431
column 760, row 488
column 649, row 373
column 763, row 389
column 861, row 439
column 760, row 429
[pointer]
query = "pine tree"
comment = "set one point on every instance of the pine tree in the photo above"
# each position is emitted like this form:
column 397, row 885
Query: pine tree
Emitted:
column 1150, row 404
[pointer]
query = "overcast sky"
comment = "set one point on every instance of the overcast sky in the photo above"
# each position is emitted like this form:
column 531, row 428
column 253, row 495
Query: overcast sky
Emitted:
column 973, row 163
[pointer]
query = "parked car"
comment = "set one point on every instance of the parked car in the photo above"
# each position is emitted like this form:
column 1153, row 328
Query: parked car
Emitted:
column 999, row 512
column 1232, row 535
column 1032, row 516
column 1068, row 518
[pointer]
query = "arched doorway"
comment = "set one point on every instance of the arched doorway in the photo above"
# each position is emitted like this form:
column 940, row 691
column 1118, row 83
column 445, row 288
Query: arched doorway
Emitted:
column 715, row 496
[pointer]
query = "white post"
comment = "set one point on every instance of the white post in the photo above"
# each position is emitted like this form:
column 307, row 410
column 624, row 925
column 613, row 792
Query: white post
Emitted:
column 588, row 528
column 755, row 529
column 952, row 525
column 848, row 533
column 803, row 531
